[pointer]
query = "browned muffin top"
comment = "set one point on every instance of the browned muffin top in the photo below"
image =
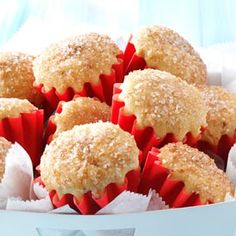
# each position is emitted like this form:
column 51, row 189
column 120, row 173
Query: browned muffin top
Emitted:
column 88, row 158
column 74, row 61
column 197, row 170
column 16, row 76
column 80, row 111
column 164, row 49
column 221, row 116
column 13, row 107
column 164, row 102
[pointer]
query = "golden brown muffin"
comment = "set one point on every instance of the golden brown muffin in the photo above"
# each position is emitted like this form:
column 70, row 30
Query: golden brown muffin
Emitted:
column 221, row 116
column 164, row 49
column 80, row 111
column 16, row 76
column 13, row 107
column 164, row 102
column 88, row 158
column 197, row 170
column 4, row 147
column 74, row 61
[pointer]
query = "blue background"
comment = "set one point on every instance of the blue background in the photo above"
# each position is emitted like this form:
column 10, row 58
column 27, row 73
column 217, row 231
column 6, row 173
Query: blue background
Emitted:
column 202, row 22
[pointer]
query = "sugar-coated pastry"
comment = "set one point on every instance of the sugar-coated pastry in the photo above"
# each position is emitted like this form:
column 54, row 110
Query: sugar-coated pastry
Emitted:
column 16, row 77
column 164, row 102
column 197, row 171
column 164, row 49
column 221, row 116
column 13, row 107
column 72, row 62
column 88, row 158
column 22, row 122
column 80, row 111
column 4, row 147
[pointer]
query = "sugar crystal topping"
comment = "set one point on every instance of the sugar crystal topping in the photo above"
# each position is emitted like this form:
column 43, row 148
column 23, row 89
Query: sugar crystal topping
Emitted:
column 197, row 170
column 221, row 116
column 74, row 61
column 16, row 76
column 13, row 107
column 164, row 49
column 88, row 158
column 164, row 102
column 82, row 110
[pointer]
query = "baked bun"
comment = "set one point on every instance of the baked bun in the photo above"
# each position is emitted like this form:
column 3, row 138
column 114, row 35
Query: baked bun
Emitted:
column 81, row 110
column 72, row 62
column 221, row 116
column 13, row 107
column 88, row 158
column 163, row 102
column 164, row 49
column 17, row 78
column 197, row 171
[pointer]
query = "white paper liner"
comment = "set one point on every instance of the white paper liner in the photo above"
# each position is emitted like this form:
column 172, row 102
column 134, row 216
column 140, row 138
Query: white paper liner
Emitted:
column 231, row 172
column 39, row 191
column 18, row 177
column 231, row 165
column 128, row 202
column 156, row 202
column 17, row 191
column 42, row 204
column 229, row 197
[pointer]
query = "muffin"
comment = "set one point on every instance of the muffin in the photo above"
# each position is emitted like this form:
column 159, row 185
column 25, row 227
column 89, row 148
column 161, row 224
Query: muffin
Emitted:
column 221, row 119
column 86, row 65
column 157, row 108
column 17, row 78
column 4, row 147
column 184, row 176
column 22, row 122
column 89, row 166
column 81, row 110
column 161, row 48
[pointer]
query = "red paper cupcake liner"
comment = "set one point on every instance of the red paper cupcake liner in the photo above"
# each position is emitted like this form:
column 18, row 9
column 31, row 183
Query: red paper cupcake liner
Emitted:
column 102, row 90
column 27, row 130
column 156, row 176
column 131, row 60
column 221, row 149
column 88, row 204
column 51, row 126
column 145, row 138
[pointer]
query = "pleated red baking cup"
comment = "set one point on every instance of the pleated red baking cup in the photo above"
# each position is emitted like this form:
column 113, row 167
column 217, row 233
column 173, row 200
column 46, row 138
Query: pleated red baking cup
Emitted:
column 132, row 61
column 156, row 176
column 221, row 149
column 27, row 130
column 146, row 137
column 51, row 126
column 88, row 204
column 102, row 90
